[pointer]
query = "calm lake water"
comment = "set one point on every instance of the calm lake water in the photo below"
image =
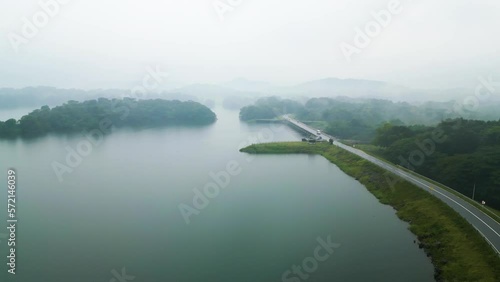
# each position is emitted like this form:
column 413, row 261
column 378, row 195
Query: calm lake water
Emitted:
column 119, row 209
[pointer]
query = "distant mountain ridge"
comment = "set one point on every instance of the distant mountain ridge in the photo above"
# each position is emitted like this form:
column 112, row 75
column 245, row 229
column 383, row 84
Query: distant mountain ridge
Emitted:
column 240, row 92
column 350, row 87
column 243, row 84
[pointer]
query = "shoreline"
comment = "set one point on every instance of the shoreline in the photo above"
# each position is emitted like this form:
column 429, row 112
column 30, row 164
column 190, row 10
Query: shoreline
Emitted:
column 456, row 249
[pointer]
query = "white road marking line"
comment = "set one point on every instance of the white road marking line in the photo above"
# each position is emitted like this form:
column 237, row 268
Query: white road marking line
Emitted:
column 487, row 239
column 457, row 204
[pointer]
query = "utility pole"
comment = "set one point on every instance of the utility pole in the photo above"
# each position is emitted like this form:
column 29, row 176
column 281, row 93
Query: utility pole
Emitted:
column 473, row 191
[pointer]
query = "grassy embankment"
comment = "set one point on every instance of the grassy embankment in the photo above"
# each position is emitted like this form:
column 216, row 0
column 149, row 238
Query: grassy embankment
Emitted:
column 457, row 250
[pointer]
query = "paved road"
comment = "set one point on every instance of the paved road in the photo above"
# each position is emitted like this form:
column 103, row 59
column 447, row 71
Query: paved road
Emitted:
column 487, row 226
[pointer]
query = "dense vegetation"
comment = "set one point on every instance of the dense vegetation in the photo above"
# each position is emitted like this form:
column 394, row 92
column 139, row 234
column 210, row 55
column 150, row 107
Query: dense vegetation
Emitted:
column 457, row 250
column 468, row 155
column 74, row 116
column 356, row 119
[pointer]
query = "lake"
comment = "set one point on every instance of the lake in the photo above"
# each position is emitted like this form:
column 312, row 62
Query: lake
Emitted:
column 117, row 214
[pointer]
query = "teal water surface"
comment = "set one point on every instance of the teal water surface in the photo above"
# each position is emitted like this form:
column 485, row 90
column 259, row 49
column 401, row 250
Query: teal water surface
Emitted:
column 118, row 210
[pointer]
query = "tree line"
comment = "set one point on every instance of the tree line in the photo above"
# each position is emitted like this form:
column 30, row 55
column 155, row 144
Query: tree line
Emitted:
column 357, row 119
column 467, row 155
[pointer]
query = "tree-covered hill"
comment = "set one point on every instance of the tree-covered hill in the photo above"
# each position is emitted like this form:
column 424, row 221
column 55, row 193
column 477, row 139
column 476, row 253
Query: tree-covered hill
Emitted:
column 76, row 116
column 459, row 153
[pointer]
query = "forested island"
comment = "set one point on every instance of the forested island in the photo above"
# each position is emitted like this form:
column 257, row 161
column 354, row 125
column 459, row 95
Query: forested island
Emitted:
column 76, row 116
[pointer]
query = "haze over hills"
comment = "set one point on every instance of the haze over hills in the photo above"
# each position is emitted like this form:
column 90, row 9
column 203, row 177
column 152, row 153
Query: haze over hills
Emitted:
column 326, row 87
column 240, row 91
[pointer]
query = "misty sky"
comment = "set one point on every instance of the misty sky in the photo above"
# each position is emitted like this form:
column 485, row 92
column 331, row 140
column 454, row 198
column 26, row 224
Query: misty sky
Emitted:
column 107, row 44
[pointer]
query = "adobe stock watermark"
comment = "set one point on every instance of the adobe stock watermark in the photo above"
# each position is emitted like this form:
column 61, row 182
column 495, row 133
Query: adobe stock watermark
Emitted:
column 425, row 148
column 94, row 138
column 222, row 7
column 121, row 276
column 220, row 180
column 482, row 92
column 309, row 265
column 373, row 28
column 150, row 82
column 201, row 199
column 48, row 9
